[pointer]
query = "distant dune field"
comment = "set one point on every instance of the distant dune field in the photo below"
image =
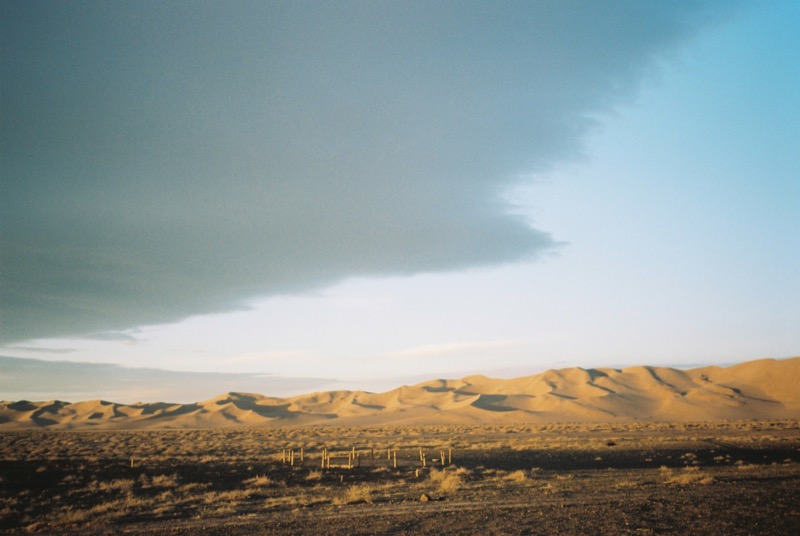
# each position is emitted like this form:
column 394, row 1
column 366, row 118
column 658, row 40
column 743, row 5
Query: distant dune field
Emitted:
column 763, row 389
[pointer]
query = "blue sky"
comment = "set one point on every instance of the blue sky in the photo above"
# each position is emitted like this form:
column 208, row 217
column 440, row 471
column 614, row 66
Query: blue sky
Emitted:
column 368, row 194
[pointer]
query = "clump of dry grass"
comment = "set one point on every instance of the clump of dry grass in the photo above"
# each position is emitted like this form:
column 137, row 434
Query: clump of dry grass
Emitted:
column 355, row 494
column 549, row 488
column 689, row 475
column 71, row 517
column 120, row 484
column 218, row 503
column 164, row 481
column 446, row 481
column 261, row 481
column 518, row 476
column 314, row 475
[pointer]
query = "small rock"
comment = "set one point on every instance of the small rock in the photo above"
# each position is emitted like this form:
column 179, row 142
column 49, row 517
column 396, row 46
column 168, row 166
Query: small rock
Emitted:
column 425, row 498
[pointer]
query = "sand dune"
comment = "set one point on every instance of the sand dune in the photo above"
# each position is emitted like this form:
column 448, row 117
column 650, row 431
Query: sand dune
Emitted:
column 763, row 389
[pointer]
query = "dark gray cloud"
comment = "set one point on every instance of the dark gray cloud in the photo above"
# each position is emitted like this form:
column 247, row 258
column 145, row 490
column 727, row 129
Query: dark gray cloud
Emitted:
column 38, row 380
column 167, row 159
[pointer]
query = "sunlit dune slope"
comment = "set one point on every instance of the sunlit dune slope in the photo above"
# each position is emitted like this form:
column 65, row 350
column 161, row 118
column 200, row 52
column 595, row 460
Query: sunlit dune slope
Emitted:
column 763, row 389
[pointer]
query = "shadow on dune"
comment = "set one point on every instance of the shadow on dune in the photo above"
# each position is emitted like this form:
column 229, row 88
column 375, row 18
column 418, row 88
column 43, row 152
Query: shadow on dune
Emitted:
column 376, row 407
column 23, row 405
column 41, row 421
column 492, row 403
column 663, row 382
column 245, row 402
column 430, row 389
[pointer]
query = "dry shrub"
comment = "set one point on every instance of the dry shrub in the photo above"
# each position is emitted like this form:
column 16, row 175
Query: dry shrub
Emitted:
column 164, row 481
column 110, row 509
column 447, row 481
column 516, row 476
column 71, row 517
column 358, row 493
column 258, row 481
column 224, row 510
column 314, row 475
column 193, row 487
column 231, row 496
column 689, row 475
column 549, row 488
column 85, row 516
column 120, row 484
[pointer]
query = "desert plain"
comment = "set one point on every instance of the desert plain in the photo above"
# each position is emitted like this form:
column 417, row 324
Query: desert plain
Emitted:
column 645, row 450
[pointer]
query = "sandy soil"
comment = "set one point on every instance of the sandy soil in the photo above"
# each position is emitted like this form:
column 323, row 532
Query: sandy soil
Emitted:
column 703, row 478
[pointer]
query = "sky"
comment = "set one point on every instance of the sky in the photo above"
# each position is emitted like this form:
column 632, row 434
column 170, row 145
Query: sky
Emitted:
column 283, row 197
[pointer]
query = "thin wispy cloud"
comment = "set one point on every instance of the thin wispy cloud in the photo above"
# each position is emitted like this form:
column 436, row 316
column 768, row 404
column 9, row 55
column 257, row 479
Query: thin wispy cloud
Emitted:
column 32, row 379
column 461, row 350
column 39, row 350
column 266, row 357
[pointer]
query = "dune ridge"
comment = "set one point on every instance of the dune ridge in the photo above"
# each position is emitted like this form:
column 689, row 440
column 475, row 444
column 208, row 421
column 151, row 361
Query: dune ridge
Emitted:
column 758, row 390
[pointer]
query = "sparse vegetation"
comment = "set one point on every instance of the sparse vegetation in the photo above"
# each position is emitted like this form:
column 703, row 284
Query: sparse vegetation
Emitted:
column 688, row 475
column 446, row 481
column 517, row 476
column 314, row 476
column 357, row 493
column 67, row 482
column 261, row 481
